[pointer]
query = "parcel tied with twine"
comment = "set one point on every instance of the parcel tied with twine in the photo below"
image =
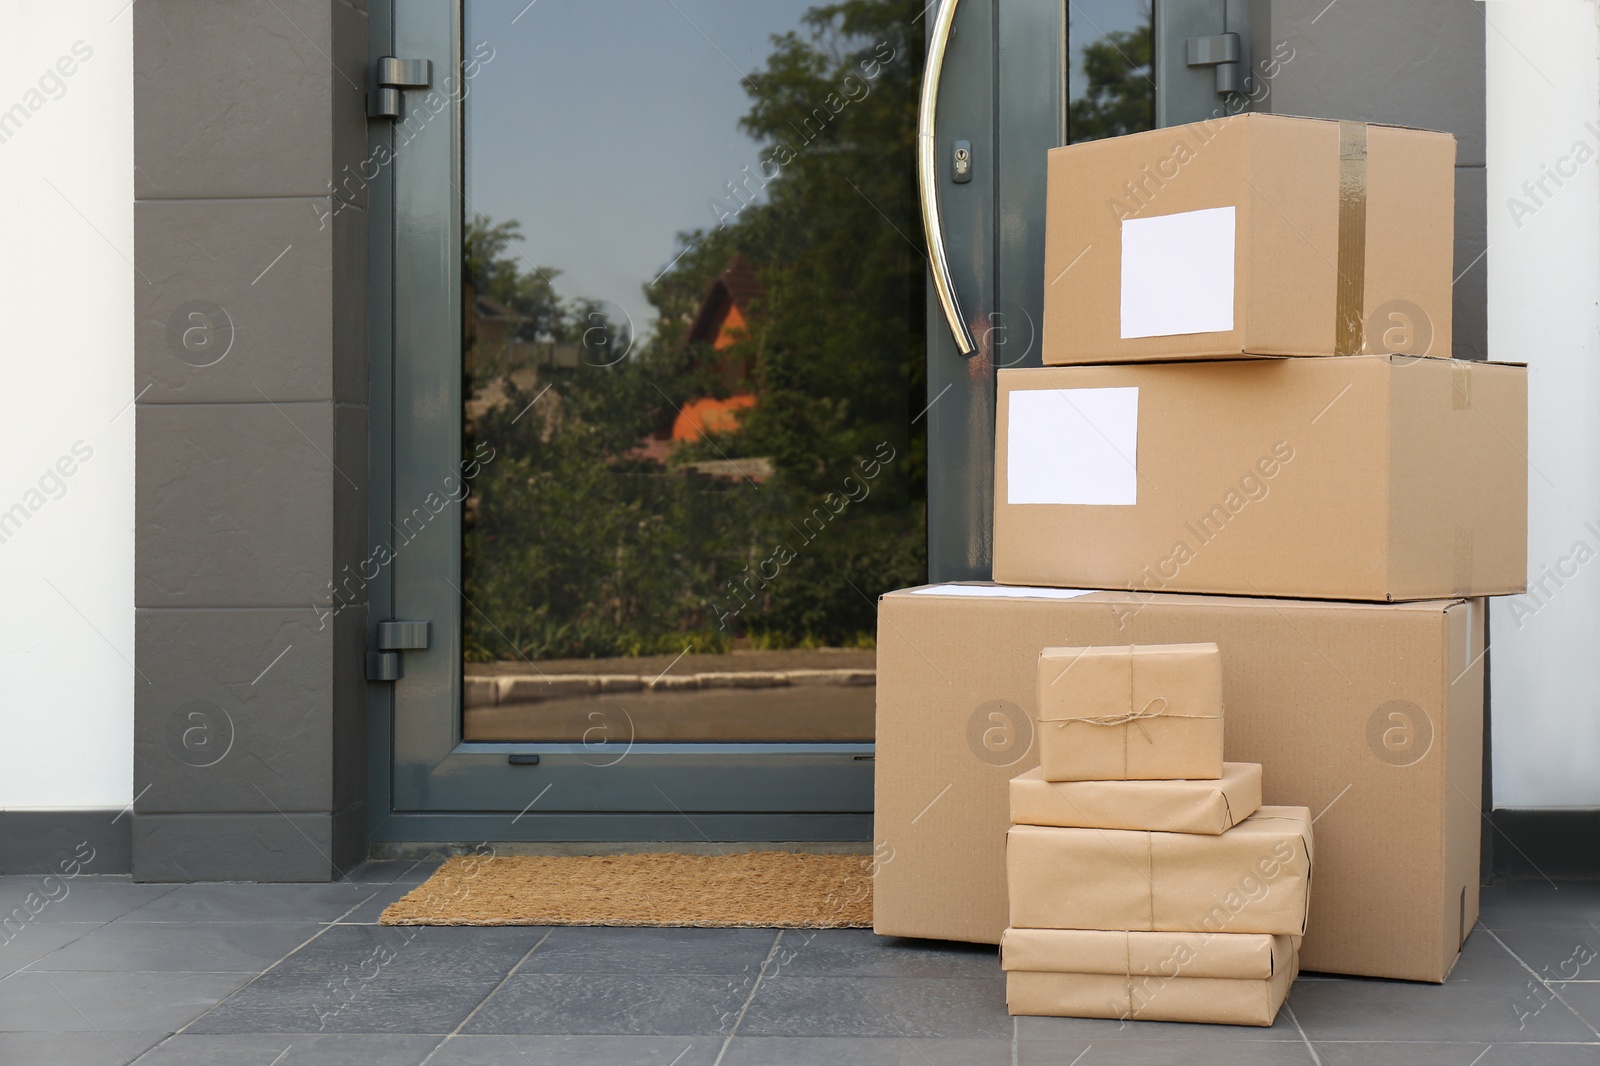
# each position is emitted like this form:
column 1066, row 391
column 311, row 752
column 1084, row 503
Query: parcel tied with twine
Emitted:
column 1232, row 978
column 1120, row 713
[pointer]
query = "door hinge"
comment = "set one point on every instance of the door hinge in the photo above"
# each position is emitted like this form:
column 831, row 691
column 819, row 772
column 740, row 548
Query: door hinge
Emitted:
column 394, row 636
column 389, row 76
column 1225, row 52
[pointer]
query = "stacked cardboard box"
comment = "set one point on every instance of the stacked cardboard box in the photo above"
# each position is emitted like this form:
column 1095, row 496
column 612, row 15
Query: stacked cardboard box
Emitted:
column 1134, row 838
column 1247, row 396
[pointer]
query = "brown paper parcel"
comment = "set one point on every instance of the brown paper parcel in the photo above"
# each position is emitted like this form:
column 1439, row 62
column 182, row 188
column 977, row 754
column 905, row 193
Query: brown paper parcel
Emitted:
column 1157, row 997
column 1130, row 713
column 1255, row 878
column 1249, row 956
column 1208, row 807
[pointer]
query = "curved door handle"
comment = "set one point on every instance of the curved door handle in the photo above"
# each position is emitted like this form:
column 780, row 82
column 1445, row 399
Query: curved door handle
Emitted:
column 928, row 178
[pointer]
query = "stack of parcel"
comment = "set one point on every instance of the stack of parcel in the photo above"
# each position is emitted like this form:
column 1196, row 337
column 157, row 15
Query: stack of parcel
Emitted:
column 1248, row 431
column 1146, row 879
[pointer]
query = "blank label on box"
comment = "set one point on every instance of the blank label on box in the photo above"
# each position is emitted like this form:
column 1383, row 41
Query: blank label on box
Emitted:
column 1073, row 446
column 1177, row 273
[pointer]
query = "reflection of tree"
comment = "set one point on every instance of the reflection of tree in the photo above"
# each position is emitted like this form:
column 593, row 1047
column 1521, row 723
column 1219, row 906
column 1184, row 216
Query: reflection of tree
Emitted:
column 1120, row 96
column 584, row 539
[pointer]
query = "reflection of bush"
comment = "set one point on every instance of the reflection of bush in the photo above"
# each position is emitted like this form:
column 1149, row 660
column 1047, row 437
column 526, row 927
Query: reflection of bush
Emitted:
column 581, row 542
column 574, row 552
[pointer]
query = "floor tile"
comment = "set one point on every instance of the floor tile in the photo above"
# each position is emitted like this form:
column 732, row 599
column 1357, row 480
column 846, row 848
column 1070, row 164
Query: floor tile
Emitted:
column 129, row 1002
column 1529, row 904
column 613, row 1004
column 368, row 949
column 815, row 1006
column 76, row 899
column 1486, row 1011
column 1414, row 1053
column 253, row 903
column 872, row 1051
column 381, row 872
column 319, row 1049
column 946, row 1007
column 1219, row 1052
column 32, row 942
column 572, row 1050
column 862, row 953
column 75, row 1049
column 603, row 950
column 1554, row 953
column 1582, row 997
column 369, row 912
column 349, row 1003
column 171, row 947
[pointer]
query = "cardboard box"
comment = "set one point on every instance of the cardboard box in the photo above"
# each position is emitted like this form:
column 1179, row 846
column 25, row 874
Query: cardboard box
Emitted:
column 1247, row 956
column 1134, row 713
column 1368, row 478
column 1370, row 715
column 1255, row 878
column 1250, row 235
column 1208, row 807
column 1174, row 993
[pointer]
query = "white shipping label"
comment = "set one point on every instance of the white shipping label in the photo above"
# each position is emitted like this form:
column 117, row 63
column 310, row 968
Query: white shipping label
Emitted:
column 1073, row 446
column 1177, row 273
column 1002, row 592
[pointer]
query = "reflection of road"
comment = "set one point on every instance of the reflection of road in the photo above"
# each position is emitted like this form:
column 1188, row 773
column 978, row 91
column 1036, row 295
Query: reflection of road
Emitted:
column 795, row 695
column 685, row 665
column 796, row 714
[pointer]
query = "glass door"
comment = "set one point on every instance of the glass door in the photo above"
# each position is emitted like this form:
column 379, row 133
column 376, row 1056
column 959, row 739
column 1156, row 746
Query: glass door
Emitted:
column 658, row 370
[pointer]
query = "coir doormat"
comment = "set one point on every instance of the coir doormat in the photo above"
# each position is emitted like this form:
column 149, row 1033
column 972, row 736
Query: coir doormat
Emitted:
column 764, row 888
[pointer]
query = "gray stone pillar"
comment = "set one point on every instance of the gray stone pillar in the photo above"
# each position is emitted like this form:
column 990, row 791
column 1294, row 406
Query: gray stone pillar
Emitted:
column 251, row 385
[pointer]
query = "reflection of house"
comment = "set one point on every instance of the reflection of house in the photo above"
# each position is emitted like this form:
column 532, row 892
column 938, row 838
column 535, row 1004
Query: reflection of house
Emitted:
column 721, row 323
column 494, row 344
column 498, row 359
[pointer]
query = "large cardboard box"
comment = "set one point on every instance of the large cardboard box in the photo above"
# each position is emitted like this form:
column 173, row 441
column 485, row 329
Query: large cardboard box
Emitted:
column 1249, row 235
column 1370, row 715
column 1368, row 478
column 1255, row 878
column 1130, row 713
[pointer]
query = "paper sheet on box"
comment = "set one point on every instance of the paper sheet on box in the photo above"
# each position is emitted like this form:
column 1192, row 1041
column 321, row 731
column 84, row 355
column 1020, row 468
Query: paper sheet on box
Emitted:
column 1073, row 446
column 1012, row 592
column 1177, row 273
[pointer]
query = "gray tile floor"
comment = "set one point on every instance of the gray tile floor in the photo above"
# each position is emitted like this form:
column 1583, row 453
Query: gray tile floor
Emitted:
column 109, row 972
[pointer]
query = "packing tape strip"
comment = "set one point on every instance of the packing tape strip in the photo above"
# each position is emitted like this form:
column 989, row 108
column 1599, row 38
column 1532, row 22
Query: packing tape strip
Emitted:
column 1349, row 310
column 1461, row 562
column 1460, row 385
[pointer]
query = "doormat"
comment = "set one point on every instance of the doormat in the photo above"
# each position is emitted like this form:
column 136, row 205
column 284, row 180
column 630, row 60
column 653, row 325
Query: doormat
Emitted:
column 768, row 889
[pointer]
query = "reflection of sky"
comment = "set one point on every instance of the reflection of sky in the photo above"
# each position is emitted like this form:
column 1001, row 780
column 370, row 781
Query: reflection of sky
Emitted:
column 1089, row 21
column 604, row 126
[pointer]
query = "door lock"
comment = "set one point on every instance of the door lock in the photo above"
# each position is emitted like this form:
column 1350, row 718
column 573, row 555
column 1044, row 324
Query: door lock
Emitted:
column 394, row 636
column 961, row 162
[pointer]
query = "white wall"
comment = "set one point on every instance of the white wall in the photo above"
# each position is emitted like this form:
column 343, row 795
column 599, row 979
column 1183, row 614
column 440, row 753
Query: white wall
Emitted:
column 66, row 374
column 1544, row 309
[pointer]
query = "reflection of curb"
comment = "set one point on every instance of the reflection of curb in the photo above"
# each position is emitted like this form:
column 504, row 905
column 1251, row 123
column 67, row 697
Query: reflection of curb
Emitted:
column 534, row 688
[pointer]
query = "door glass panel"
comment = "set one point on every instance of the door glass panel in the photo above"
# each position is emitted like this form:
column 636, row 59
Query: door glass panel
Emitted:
column 1111, row 88
column 693, row 349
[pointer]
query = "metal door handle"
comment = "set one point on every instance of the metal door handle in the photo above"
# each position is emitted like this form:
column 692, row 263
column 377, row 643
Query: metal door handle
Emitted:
column 928, row 178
